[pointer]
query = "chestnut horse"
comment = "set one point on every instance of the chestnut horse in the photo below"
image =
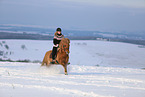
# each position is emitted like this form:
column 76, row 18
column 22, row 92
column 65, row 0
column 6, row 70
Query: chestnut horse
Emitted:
column 62, row 55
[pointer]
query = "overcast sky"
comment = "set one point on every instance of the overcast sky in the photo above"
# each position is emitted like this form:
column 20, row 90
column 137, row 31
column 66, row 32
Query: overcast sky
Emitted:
column 100, row 15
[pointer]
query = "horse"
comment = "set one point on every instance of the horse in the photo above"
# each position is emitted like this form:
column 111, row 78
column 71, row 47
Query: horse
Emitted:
column 62, row 55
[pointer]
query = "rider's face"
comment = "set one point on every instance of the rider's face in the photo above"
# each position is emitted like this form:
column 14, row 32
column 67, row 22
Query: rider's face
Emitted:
column 58, row 32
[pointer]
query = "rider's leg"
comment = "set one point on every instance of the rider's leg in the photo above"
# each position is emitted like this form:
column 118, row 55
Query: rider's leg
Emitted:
column 54, row 51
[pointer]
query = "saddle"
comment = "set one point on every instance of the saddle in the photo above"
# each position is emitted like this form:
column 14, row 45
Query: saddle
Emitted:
column 54, row 56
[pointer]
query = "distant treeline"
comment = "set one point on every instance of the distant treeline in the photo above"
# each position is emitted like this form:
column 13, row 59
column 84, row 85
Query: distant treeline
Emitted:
column 25, row 61
column 139, row 42
column 4, row 35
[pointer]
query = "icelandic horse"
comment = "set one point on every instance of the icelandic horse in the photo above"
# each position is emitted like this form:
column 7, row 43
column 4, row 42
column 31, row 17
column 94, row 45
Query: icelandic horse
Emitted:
column 62, row 55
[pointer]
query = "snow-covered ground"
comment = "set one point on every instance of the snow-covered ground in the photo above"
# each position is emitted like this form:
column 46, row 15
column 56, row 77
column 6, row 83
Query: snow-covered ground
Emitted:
column 97, row 69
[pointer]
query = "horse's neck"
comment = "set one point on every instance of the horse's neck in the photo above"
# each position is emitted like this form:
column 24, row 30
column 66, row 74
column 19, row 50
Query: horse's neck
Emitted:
column 61, row 51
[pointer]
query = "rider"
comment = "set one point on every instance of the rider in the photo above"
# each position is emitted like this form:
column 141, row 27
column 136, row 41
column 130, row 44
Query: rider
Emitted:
column 57, row 38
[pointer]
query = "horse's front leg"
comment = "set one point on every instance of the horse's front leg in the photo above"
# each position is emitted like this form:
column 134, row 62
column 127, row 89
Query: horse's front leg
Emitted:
column 65, row 69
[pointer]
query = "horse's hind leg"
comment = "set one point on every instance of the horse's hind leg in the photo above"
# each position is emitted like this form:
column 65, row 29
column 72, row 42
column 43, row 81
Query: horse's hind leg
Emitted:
column 42, row 63
column 65, row 69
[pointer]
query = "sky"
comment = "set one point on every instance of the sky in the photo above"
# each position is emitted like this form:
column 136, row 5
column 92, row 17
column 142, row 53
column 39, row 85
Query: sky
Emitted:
column 99, row 15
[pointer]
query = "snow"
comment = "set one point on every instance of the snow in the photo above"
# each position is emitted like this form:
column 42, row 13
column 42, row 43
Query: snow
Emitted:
column 97, row 69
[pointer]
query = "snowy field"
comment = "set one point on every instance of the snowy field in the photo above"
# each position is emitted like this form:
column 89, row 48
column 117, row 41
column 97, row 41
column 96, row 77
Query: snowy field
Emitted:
column 97, row 69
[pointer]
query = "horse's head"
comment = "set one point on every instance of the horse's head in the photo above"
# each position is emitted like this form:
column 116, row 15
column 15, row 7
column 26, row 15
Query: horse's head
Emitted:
column 64, row 45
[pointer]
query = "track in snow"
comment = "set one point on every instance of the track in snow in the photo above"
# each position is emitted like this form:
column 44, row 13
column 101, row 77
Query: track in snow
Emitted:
column 28, row 79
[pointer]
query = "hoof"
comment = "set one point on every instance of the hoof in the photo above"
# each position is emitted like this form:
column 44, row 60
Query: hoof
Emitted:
column 66, row 73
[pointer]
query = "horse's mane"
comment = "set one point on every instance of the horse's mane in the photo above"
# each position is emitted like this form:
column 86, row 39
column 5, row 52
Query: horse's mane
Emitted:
column 64, row 41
